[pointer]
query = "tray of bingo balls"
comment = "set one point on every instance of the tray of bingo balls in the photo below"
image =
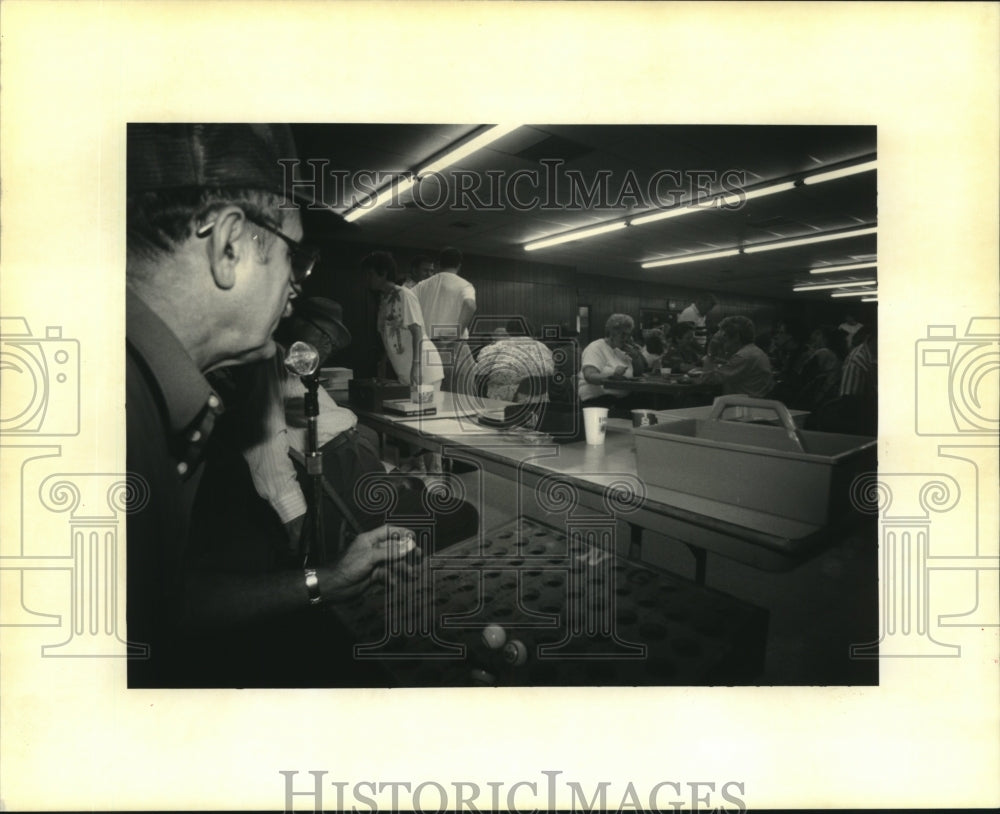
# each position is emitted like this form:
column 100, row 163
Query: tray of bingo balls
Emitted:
column 529, row 604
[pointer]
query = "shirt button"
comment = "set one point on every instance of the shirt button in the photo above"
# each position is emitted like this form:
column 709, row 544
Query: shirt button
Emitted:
column 213, row 402
column 182, row 468
column 195, row 436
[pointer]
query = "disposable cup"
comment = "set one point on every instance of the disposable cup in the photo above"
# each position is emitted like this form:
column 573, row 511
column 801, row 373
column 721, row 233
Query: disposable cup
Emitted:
column 665, row 371
column 643, row 418
column 595, row 421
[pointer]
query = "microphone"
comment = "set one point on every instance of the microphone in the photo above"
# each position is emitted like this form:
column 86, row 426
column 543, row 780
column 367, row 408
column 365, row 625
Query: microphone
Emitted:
column 302, row 359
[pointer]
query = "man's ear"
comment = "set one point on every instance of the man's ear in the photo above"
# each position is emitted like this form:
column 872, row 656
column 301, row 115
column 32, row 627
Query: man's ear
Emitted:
column 225, row 246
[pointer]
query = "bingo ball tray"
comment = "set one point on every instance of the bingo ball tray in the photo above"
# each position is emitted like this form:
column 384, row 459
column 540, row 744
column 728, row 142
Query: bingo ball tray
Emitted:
column 584, row 617
column 756, row 467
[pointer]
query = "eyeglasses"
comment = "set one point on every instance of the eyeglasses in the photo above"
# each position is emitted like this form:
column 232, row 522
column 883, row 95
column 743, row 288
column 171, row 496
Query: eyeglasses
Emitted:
column 303, row 258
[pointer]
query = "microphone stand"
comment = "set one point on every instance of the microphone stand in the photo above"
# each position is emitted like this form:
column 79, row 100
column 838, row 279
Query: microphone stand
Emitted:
column 303, row 360
column 314, row 469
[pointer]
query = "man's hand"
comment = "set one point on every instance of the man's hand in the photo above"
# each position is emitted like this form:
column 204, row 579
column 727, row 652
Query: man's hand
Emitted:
column 365, row 561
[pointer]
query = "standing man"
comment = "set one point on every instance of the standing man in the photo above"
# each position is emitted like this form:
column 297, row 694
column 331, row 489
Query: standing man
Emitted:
column 695, row 315
column 214, row 255
column 421, row 267
column 449, row 302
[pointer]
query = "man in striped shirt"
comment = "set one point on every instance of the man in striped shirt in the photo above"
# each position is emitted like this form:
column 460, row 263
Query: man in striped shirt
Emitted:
column 860, row 371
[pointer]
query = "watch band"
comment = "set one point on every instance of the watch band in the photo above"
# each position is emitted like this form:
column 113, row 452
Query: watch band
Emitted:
column 312, row 586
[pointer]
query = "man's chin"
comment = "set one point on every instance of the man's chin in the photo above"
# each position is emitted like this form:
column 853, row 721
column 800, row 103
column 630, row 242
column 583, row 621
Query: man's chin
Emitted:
column 261, row 352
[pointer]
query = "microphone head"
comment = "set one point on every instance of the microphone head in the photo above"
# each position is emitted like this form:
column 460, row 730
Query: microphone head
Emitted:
column 302, row 359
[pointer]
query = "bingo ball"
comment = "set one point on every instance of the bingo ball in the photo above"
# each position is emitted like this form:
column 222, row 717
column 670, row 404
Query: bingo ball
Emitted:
column 482, row 677
column 494, row 637
column 515, row 652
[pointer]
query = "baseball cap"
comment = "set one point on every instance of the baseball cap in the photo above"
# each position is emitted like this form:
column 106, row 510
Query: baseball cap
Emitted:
column 165, row 156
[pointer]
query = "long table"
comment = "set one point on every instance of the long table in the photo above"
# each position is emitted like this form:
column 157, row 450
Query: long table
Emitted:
column 668, row 390
column 602, row 479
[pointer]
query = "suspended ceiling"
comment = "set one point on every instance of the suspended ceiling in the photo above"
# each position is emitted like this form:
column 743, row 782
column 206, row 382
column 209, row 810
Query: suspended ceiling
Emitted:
column 627, row 158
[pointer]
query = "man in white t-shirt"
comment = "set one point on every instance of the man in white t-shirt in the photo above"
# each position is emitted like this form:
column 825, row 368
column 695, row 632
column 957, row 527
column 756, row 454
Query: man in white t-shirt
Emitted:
column 695, row 314
column 448, row 303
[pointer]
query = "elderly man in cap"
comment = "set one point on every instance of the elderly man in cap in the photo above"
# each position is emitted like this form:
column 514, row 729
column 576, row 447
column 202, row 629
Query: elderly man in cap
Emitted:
column 214, row 255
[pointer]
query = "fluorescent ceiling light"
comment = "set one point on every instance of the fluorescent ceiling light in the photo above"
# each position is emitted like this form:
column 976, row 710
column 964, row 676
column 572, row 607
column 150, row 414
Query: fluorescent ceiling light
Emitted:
column 570, row 236
column 733, row 198
column 843, row 172
column 386, row 193
column 849, row 284
column 854, row 294
column 869, row 299
column 664, row 214
column 722, row 199
column 805, row 241
column 690, row 258
column 469, row 147
column 848, row 267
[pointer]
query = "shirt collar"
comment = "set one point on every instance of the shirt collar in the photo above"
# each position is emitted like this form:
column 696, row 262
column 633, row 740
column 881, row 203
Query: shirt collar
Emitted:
column 186, row 392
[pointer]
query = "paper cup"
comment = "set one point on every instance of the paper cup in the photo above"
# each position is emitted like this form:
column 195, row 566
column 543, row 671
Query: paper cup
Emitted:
column 643, row 418
column 665, row 371
column 595, row 422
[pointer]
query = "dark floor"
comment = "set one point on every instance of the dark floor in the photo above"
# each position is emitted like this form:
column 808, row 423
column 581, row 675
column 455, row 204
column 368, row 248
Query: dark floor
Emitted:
column 817, row 611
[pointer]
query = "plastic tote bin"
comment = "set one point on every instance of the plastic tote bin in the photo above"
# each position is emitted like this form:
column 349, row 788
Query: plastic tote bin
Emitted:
column 798, row 474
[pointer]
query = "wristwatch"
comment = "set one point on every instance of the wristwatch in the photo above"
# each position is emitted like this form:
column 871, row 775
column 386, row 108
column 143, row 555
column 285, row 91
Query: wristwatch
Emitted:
column 312, row 586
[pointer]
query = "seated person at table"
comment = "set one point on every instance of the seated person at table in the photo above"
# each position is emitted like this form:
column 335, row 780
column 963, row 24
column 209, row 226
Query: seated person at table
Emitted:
column 640, row 367
column 746, row 369
column 856, row 408
column 819, row 380
column 696, row 315
column 605, row 360
column 787, row 348
column 510, row 360
column 653, row 349
column 684, row 352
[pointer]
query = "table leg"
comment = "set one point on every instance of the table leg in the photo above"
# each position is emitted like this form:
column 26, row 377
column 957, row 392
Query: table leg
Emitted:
column 700, row 558
column 635, row 542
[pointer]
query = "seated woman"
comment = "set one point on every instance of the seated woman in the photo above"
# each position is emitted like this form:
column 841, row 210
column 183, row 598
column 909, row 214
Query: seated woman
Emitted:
column 746, row 369
column 604, row 360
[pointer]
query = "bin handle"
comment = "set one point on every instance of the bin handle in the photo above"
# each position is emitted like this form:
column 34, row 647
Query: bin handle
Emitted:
column 722, row 403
